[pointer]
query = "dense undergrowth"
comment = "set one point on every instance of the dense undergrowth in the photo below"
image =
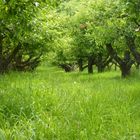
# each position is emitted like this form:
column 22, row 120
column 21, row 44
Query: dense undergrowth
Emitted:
column 49, row 104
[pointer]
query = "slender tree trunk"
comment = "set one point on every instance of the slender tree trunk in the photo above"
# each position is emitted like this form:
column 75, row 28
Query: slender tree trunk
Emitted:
column 99, row 62
column 80, row 65
column 90, row 65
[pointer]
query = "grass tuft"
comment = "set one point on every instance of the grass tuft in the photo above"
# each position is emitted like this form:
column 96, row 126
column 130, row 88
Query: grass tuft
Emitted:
column 49, row 104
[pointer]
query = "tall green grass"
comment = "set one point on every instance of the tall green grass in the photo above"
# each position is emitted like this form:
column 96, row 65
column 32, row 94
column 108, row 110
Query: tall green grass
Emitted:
column 49, row 104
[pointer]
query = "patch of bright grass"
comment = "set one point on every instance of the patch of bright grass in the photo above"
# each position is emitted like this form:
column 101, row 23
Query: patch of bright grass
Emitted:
column 49, row 104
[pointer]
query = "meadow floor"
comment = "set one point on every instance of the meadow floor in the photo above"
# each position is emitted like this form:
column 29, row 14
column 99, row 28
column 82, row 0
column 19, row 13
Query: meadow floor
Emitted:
column 49, row 104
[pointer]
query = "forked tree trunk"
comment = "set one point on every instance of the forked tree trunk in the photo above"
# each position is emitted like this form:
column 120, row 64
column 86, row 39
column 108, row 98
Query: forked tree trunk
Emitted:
column 125, row 63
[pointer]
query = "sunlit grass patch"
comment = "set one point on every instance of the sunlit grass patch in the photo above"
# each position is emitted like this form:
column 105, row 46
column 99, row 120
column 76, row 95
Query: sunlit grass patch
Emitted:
column 51, row 104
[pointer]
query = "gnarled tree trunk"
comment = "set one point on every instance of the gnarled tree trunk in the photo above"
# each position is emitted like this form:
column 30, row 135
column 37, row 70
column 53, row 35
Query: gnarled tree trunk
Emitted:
column 125, row 63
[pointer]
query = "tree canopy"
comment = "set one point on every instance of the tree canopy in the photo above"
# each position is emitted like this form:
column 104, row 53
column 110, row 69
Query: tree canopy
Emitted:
column 70, row 33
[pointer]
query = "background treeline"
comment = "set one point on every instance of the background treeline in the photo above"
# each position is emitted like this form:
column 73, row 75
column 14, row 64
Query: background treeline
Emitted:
column 71, row 34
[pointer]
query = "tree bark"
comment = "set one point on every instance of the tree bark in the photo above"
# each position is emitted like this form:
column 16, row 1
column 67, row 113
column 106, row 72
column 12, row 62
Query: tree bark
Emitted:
column 80, row 65
column 102, row 63
column 125, row 70
column 131, row 45
column 125, row 63
column 99, row 63
column 90, row 64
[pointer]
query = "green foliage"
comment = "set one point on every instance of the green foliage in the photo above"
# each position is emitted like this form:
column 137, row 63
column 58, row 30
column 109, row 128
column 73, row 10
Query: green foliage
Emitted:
column 91, row 25
column 68, row 29
column 22, row 34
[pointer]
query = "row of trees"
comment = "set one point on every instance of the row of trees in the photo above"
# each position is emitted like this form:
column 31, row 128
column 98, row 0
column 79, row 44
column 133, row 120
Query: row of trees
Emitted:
column 73, row 33
column 99, row 32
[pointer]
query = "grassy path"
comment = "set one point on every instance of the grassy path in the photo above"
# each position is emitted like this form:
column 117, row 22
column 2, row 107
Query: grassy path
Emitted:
column 51, row 105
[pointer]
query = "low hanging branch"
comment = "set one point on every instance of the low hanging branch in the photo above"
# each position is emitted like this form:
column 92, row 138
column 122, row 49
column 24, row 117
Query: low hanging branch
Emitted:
column 26, row 65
